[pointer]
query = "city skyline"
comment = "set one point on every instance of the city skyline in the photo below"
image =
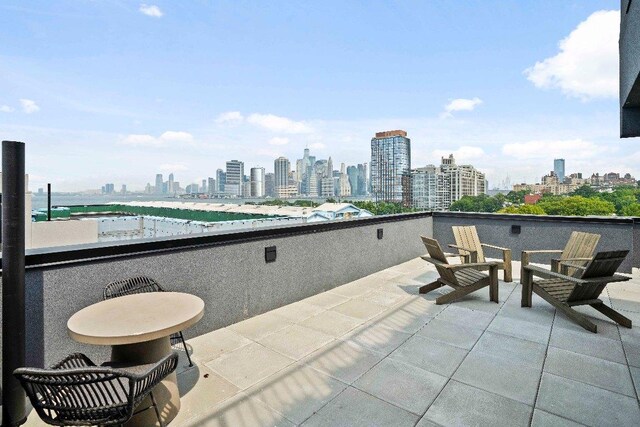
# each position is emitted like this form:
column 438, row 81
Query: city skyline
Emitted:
column 95, row 88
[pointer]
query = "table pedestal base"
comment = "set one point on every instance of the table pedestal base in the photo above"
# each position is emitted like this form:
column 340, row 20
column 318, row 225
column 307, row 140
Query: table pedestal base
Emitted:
column 166, row 393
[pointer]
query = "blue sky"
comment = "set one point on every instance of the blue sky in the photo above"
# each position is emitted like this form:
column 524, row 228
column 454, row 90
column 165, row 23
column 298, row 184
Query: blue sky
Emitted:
column 116, row 91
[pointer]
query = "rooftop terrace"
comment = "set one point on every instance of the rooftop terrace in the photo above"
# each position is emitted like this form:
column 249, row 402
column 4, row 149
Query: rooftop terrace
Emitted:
column 375, row 352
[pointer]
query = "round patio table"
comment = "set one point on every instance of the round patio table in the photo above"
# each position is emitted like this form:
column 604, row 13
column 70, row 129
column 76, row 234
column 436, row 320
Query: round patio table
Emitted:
column 138, row 328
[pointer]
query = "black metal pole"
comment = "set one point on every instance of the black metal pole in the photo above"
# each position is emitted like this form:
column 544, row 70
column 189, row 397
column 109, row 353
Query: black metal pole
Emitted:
column 49, row 202
column 13, row 295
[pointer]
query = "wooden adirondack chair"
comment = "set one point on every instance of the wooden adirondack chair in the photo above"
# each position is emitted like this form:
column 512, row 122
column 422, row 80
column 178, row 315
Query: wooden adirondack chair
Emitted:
column 565, row 291
column 578, row 251
column 463, row 278
column 469, row 246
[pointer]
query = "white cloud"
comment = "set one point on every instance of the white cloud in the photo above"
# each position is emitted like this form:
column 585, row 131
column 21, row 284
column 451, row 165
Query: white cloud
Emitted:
column 29, row 106
column 230, row 117
column 461, row 104
column 587, row 64
column 144, row 140
column 176, row 136
column 141, row 140
column 553, row 149
column 278, row 141
column 317, row 146
column 6, row 109
column 278, row 124
column 464, row 154
column 151, row 10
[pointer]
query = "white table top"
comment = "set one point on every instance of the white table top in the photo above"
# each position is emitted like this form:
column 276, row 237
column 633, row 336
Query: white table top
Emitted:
column 135, row 318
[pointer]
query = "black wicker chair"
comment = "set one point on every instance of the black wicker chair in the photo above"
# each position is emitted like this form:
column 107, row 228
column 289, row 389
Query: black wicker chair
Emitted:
column 76, row 392
column 140, row 285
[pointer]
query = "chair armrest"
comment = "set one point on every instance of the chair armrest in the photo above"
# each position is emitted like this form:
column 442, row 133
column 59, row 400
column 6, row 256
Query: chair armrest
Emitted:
column 473, row 265
column 544, row 251
column 463, row 249
column 607, row 279
column 156, row 372
column 494, row 247
column 547, row 274
column 450, row 255
column 573, row 259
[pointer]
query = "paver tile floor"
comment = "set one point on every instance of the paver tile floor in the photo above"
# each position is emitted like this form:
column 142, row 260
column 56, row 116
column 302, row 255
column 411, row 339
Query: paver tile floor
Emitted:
column 374, row 352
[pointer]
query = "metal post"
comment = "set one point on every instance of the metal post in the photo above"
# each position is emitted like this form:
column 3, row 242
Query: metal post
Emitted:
column 13, row 295
column 49, row 202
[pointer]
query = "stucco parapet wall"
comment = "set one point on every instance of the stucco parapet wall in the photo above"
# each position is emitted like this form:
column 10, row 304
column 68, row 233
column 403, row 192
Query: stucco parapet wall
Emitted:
column 540, row 218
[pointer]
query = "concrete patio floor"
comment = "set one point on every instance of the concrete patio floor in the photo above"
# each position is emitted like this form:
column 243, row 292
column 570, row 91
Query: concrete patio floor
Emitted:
column 376, row 353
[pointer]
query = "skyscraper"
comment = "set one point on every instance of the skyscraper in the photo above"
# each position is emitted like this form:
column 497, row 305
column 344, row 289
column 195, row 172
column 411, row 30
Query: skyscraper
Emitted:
column 558, row 169
column 257, row 182
column 170, row 187
column 269, row 185
column 390, row 162
column 212, row 186
column 281, row 168
column 235, row 175
column 159, row 183
column 352, row 174
column 221, row 180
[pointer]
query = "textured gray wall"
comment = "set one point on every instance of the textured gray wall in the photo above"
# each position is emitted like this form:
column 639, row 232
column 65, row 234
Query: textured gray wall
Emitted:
column 630, row 68
column 538, row 233
column 233, row 280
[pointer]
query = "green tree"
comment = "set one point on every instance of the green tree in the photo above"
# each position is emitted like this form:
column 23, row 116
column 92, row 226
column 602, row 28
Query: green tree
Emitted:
column 585, row 191
column 481, row 203
column 516, row 196
column 631, row 210
column 576, row 206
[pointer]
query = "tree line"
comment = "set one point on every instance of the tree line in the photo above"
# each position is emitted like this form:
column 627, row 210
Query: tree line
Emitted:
column 623, row 201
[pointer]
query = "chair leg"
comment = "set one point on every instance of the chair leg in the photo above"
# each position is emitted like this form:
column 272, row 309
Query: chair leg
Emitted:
column 186, row 350
column 526, row 279
column 493, row 284
column 430, row 287
column 155, row 407
column 508, row 270
column 459, row 293
column 612, row 314
column 577, row 317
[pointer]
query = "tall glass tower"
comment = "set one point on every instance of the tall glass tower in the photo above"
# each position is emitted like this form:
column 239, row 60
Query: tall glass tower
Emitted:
column 390, row 166
column 558, row 169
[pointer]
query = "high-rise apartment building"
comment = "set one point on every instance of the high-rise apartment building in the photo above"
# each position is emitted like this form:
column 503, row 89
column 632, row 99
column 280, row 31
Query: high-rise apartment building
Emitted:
column 234, row 177
column 390, row 166
column 465, row 180
column 558, row 169
column 257, row 182
column 281, row 168
column 435, row 188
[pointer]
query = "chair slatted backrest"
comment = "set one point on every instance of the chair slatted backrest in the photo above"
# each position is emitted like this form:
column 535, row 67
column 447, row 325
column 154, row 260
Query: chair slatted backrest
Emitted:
column 580, row 245
column 132, row 285
column 78, row 396
column 467, row 237
column 436, row 253
column 604, row 264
